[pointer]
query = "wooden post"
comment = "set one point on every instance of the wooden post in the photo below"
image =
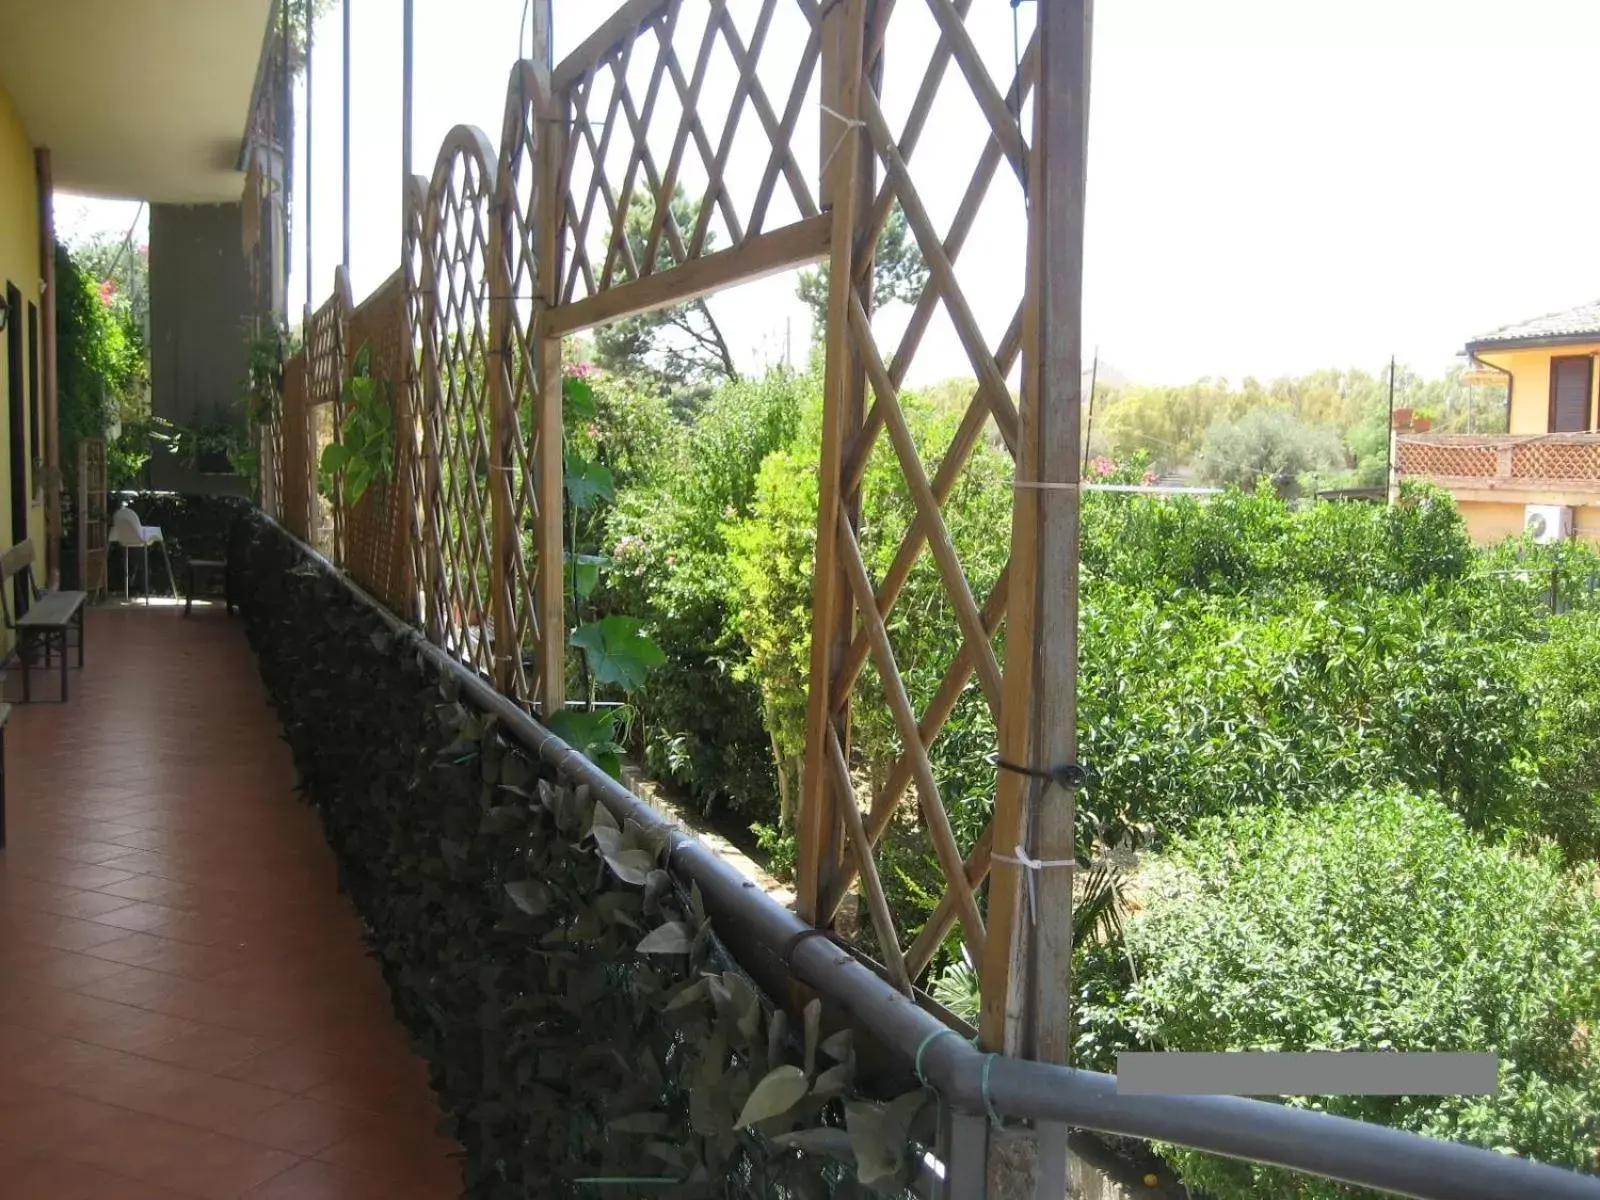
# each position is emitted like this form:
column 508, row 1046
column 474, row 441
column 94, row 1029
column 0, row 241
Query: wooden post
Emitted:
column 1027, row 967
column 502, row 428
column 820, row 831
column 432, row 556
column 52, row 398
column 549, row 477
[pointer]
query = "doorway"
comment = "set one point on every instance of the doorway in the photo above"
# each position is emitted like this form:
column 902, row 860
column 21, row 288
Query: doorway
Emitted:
column 16, row 405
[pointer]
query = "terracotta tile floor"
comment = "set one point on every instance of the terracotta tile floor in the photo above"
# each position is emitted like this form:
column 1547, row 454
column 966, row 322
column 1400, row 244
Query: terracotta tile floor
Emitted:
column 186, row 1009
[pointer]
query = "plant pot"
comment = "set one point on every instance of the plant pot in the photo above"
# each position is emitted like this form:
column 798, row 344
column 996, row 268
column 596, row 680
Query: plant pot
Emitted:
column 1422, row 425
column 1402, row 418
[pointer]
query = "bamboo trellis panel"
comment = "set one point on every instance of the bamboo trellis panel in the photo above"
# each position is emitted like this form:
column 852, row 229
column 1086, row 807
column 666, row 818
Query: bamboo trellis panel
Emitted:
column 298, row 486
column 377, row 530
column 852, row 609
column 327, row 355
column 92, row 515
column 527, row 399
column 460, row 476
column 409, row 435
column 649, row 184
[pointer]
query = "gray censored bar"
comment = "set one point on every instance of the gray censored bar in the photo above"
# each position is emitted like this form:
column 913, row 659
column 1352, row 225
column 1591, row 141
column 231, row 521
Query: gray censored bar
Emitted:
column 1308, row 1073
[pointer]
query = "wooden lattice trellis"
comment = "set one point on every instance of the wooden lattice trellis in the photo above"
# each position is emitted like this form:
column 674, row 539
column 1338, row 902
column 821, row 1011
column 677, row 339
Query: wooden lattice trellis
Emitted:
column 460, row 481
column 327, row 355
column 377, row 531
column 92, row 516
column 1523, row 460
column 793, row 163
column 524, row 254
column 409, row 434
column 298, row 485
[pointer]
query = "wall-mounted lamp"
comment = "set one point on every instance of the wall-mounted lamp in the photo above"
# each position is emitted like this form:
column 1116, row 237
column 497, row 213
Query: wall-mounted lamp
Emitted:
column 5, row 312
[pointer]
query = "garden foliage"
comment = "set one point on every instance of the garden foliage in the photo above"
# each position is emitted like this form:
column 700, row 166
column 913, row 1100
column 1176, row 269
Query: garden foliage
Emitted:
column 1375, row 920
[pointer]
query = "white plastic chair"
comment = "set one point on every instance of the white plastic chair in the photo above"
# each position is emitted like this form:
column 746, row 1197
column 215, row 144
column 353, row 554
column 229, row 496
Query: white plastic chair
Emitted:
column 128, row 532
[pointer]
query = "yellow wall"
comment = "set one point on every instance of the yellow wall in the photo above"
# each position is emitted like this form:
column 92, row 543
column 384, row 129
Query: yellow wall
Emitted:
column 1530, row 384
column 19, row 264
column 1491, row 521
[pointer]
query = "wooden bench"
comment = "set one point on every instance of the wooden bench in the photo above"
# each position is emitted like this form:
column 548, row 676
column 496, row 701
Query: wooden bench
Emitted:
column 50, row 615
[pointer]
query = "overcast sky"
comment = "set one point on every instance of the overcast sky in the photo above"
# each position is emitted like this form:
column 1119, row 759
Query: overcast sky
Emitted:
column 1274, row 186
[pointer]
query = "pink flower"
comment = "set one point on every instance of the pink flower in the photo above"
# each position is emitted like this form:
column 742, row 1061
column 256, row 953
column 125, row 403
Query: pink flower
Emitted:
column 108, row 289
column 1100, row 467
column 1149, row 478
column 580, row 370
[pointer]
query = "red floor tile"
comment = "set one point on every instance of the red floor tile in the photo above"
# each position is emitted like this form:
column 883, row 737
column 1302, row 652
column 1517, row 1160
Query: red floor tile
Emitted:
column 186, row 1010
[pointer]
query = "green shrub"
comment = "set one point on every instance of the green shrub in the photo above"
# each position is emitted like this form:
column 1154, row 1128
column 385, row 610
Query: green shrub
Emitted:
column 1564, row 677
column 1376, row 921
column 1252, row 542
column 701, row 725
column 1197, row 705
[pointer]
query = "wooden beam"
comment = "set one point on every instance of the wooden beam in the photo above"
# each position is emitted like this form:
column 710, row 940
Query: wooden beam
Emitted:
column 548, row 482
column 792, row 246
column 502, row 422
column 1026, row 973
column 612, row 32
column 819, row 830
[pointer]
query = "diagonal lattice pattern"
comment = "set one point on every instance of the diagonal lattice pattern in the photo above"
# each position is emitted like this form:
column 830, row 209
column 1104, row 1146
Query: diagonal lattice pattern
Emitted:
column 519, row 212
column 409, row 435
column 294, row 500
column 377, row 528
column 643, row 139
column 867, row 648
column 1533, row 458
column 326, row 355
column 457, row 501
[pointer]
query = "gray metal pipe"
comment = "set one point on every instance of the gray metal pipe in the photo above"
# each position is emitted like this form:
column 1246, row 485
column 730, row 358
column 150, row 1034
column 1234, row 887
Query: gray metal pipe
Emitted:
column 1355, row 1152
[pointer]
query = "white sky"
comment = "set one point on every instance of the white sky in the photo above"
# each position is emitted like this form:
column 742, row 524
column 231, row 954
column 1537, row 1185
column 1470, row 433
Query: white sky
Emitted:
column 1275, row 185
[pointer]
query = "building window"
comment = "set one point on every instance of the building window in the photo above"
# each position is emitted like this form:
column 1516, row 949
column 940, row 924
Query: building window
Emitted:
column 1570, row 388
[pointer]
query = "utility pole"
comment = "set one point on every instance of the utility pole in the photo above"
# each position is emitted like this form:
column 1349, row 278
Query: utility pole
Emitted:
column 1391, row 478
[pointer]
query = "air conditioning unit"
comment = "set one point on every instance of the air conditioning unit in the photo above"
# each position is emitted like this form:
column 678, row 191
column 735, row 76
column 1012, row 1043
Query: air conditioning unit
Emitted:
column 1546, row 523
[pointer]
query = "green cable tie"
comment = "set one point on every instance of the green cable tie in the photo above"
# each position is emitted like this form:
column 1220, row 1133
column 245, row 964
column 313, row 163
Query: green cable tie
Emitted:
column 926, row 1042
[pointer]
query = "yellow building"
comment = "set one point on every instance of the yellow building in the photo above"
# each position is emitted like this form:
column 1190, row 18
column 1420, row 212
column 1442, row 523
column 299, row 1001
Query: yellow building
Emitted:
column 22, row 426
column 130, row 100
column 1543, row 475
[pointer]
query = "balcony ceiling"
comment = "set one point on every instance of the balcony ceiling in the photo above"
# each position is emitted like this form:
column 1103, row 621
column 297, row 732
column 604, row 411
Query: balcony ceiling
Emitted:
column 141, row 99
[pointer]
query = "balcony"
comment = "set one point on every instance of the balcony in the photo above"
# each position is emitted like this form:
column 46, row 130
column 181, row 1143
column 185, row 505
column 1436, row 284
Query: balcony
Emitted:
column 1497, row 463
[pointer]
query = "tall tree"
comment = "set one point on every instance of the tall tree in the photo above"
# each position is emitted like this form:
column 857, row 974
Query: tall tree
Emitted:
column 680, row 350
column 898, row 273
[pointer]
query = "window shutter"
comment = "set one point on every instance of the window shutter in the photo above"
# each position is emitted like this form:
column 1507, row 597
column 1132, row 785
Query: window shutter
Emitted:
column 1570, row 401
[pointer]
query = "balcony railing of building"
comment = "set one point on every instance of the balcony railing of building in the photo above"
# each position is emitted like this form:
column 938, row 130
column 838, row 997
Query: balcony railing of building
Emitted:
column 508, row 249
column 1529, row 462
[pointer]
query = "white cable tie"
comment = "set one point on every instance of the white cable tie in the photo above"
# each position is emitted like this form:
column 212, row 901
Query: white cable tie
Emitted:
column 1033, row 866
column 849, row 123
column 1044, row 485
